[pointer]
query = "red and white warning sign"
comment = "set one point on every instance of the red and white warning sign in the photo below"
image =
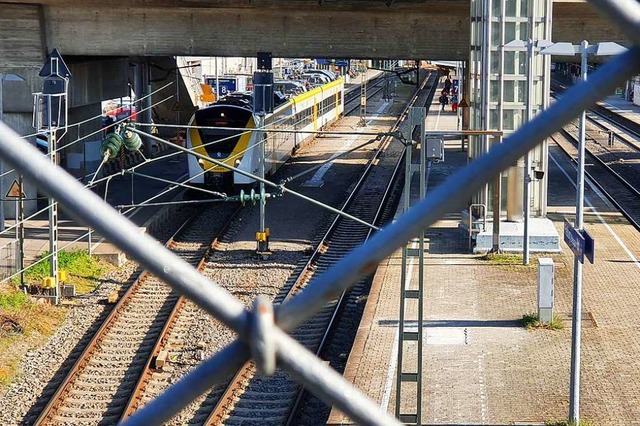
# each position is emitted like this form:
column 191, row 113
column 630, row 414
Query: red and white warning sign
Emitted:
column 15, row 191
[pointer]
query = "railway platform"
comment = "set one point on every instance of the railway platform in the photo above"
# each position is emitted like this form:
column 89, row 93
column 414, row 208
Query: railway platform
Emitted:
column 480, row 364
column 618, row 105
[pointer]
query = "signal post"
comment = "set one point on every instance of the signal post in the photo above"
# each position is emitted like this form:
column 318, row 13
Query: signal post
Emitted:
column 263, row 105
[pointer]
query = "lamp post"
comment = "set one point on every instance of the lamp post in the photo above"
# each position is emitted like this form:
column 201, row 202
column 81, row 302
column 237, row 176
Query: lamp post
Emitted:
column 3, row 78
column 568, row 49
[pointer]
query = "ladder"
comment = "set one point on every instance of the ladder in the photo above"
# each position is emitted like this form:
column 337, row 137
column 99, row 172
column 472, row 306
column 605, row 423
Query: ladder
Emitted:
column 363, row 98
column 409, row 377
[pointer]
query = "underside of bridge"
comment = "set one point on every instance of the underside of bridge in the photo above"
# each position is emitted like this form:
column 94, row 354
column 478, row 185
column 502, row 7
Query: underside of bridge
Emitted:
column 320, row 28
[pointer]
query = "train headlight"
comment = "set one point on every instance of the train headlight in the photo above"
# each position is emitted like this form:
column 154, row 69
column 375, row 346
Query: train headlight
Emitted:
column 237, row 162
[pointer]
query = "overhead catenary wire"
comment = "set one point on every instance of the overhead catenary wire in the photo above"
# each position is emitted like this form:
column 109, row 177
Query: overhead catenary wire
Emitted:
column 93, row 182
column 280, row 187
column 448, row 196
column 95, row 118
column 330, row 160
column 181, row 184
column 270, row 130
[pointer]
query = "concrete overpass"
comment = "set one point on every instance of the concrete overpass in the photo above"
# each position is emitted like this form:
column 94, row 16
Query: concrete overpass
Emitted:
column 437, row 29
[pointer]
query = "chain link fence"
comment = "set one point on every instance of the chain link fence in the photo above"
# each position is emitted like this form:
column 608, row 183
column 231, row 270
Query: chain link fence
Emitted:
column 260, row 338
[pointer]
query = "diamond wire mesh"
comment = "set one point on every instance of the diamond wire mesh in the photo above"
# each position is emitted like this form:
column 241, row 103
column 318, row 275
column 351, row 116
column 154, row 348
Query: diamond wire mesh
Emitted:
column 316, row 376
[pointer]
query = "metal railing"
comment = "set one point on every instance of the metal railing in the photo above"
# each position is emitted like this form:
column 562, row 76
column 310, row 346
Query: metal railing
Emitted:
column 265, row 339
column 8, row 263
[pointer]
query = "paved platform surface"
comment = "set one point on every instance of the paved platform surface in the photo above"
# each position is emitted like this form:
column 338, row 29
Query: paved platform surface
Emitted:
column 480, row 365
column 619, row 105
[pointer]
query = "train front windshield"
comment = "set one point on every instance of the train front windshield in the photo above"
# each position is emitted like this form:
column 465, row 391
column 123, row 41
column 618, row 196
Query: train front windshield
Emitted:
column 225, row 125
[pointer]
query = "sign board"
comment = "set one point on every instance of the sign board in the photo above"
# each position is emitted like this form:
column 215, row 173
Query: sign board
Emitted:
column 463, row 103
column 589, row 246
column 55, row 66
column 227, row 85
column 456, row 84
column 15, row 191
column 176, row 107
column 264, row 61
column 574, row 240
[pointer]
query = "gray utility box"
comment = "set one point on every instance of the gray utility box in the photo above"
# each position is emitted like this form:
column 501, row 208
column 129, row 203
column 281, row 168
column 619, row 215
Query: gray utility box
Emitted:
column 435, row 149
column 545, row 289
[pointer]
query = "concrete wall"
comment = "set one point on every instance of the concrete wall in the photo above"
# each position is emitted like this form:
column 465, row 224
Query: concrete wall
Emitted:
column 436, row 30
column 425, row 30
column 21, row 35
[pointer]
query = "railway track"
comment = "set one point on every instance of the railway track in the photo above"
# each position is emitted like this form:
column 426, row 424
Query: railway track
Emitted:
column 618, row 182
column 153, row 380
column 97, row 388
column 121, row 362
column 253, row 399
column 175, row 345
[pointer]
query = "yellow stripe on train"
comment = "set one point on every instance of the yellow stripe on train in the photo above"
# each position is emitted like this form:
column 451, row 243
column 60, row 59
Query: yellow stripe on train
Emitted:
column 238, row 150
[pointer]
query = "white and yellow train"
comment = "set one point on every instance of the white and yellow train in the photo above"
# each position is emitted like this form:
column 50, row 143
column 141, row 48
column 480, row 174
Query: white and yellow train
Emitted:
column 223, row 132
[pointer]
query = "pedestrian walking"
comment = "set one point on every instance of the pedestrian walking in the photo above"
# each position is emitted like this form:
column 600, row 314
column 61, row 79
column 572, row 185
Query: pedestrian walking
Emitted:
column 444, row 100
column 454, row 102
column 447, row 85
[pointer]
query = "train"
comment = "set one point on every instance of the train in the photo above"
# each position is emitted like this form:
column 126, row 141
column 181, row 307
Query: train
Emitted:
column 223, row 131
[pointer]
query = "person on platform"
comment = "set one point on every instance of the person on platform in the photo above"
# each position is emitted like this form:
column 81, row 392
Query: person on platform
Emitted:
column 444, row 100
column 447, row 85
column 454, row 102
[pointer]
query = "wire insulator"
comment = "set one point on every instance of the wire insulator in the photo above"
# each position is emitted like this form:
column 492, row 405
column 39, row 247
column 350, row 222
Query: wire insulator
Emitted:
column 111, row 145
column 131, row 140
column 122, row 158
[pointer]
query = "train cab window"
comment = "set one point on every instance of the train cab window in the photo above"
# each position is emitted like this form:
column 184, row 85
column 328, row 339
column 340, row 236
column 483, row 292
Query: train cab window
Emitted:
column 222, row 128
column 278, row 98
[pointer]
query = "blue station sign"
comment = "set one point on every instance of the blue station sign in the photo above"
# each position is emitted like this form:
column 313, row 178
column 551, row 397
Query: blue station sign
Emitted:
column 574, row 240
column 580, row 242
column 589, row 246
column 227, row 85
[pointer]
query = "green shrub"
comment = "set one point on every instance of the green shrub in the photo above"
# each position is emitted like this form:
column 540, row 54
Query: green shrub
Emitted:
column 567, row 423
column 76, row 262
column 12, row 299
column 531, row 321
column 503, row 258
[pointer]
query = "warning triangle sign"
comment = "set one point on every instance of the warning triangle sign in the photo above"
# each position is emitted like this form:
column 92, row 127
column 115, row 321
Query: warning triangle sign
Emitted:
column 15, row 190
column 176, row 107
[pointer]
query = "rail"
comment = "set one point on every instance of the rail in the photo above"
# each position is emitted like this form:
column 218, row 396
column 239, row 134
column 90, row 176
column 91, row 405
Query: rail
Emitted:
column 323, row 248
column 626, row 186
column 96, row 341
column 135, row 397
column 304, row 366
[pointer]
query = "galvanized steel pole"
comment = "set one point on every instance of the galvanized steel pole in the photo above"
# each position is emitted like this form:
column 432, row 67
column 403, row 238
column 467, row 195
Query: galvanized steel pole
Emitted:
column 1, row 163
column 526, row 193
column 263, row 241
column 576, row 321
column 53, row 216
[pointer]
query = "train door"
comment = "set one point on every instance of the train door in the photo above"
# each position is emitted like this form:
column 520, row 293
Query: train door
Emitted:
column 315, row 116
